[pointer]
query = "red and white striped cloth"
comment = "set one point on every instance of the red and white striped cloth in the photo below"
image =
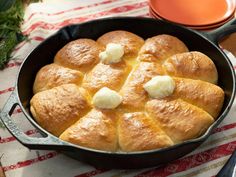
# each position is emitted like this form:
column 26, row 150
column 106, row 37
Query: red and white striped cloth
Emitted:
column 44, row 19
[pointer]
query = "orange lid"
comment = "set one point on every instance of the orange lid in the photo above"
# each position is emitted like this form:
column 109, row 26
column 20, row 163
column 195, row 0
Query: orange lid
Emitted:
column 194, row 12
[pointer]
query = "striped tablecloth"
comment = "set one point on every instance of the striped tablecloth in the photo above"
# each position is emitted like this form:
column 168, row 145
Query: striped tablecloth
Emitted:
column 44, row 19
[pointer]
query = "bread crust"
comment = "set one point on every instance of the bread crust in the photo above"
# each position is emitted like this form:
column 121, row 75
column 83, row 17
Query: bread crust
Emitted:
column 160, row 47
column 192, row 65
column 103, row 75
column 53, row 75
column 204, row 95
column 95, row 130
column 137, row 132
column 180, row 120
column 133, row 93
column 81, row 54
column 58, row 108
column 131, row 42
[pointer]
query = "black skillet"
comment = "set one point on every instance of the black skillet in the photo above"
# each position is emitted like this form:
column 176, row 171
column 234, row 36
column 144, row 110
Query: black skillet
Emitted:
column 144, row 27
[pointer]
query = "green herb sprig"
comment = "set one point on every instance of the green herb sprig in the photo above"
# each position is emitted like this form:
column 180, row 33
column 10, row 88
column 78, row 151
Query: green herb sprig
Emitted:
column 11, row 17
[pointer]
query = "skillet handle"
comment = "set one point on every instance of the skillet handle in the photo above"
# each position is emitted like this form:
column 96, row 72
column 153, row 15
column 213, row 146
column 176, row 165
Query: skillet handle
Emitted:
column 229, row 170
column 48, row 142
column 219, row 33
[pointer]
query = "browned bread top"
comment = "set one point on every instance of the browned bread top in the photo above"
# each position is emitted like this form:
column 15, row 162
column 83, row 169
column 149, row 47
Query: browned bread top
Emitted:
column 160, row 47
column 58, row 108
column 81, row 54
column 131, row 42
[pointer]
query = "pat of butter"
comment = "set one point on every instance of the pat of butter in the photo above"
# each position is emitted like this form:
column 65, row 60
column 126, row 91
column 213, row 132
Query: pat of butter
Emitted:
column 106, row 98
column 160, row 86
column 112, row 54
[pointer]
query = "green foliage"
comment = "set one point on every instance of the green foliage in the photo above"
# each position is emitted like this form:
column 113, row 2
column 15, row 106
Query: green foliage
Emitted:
column 10, row 21
column 6, row 46
column 4, row 5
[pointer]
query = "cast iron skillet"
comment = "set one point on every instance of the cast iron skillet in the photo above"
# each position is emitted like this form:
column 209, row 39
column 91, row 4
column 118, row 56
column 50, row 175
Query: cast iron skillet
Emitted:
column 144, row 27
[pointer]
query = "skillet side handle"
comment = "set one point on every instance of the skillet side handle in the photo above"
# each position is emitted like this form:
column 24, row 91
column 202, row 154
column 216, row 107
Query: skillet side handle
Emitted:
column 48, row 142
column 229, row 170
column 219, row 33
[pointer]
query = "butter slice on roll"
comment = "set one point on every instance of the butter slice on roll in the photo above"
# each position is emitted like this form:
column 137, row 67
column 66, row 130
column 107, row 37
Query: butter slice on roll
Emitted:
column 112, row 54
column 160, row 86
column 133, row 94
column 106, row 98
column 131, row 42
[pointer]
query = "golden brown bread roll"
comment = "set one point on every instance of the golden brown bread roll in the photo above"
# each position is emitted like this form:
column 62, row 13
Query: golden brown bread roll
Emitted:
column 180, row 120
column 95, row 130
column 131, row 42
column 137, row 132
column 58, row 108
column 53, row 75
column 160, row 47
column 193, row 65
column 205, row 95
column 133, row 93
column 106, row 75
column 81, row 54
